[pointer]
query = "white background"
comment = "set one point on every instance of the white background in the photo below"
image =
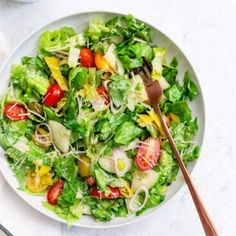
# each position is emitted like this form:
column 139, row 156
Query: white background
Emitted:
column 206, row 32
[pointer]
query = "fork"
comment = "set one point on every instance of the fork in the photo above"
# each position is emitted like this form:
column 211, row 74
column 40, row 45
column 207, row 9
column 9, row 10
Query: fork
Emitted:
column 155, row 92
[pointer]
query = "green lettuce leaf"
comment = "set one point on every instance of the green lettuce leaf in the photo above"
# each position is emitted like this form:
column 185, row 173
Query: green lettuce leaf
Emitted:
column 118, row 90
column 191, row 89
column 65, row 167
column 105, row 209
column 54, row 40
column 106, row 127
column 70, row 214
column 77, row 77
column 68, row 196
column 170, row 72
column 127, row 132
column 179, row 108
column 174, row 93
column 30, row 84
column 131, row 55
column 71, row 107
column 127, row 28
column 96, row 27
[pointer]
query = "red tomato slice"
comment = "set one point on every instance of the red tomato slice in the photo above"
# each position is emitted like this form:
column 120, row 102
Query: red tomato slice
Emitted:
column 101, row 90
column 55, row 191
column 53, row 95
column 148, row 154
column 15, row 111
column 115, row 193
column 86, row 57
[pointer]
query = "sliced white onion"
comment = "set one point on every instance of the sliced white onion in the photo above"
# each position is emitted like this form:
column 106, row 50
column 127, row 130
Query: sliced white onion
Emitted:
column 147, row 178
column 60, row 135
column 131, row 203
column 105, row 84
column 43, row 139
column 121, row 155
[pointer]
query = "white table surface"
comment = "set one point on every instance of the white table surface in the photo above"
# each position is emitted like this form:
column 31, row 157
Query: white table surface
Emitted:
column 206, row 31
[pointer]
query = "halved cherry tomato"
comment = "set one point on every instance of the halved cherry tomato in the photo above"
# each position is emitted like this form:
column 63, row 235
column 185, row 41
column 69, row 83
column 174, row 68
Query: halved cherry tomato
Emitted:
column 115, row 193
column 15, row 111
column 101, row 90
column 55, row 191
column 86, row 57
column 90, row 180
column 53, row 95
column 148, row 154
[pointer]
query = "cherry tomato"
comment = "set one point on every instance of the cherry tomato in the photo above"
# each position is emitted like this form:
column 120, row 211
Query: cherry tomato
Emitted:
column 55, row 191
column 86, row 57
column 101, row 90
column 148, row 154
column 15, row 111
column 90, row 180
column 53, row 95
column 115, row 193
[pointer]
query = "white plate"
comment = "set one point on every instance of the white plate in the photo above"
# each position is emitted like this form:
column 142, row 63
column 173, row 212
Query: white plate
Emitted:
column 79, row 22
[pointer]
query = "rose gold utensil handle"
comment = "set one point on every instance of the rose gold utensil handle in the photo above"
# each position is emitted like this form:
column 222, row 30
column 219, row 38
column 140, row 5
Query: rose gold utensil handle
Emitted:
column 205, row 218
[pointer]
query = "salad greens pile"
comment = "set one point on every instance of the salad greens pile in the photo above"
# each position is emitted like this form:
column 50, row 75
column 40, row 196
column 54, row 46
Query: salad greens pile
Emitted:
column 77, row 127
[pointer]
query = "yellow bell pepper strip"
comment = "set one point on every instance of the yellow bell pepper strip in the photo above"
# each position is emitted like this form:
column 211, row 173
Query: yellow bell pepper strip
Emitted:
column 174, row 117
column 145, row 119
column 42, row 170
column 53, row 65
column 101, row 63
column 46, row 179
column 126, row 191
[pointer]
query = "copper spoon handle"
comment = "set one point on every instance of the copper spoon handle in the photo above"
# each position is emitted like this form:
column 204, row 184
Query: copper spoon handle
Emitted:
column 205, row 218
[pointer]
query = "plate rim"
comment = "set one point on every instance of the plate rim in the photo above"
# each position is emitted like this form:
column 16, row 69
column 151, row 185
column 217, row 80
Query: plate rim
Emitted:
column 203, row 126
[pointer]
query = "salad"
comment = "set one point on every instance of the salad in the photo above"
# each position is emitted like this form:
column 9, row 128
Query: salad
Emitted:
column 77, row 128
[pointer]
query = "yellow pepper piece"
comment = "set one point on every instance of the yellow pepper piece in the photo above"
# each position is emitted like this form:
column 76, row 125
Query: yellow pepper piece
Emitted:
column 42, row 170
column 46, row 179
column 156, row 119
column 144, row 120
column 148, row 119
column 84, row 91
column 101, row 63
column 53, row 65
column 174, row 117
column 63, row 62
column 126, row 191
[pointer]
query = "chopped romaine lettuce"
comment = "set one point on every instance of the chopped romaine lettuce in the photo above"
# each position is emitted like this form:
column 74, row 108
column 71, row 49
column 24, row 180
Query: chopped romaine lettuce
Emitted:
column 55, row 40
column 96, row 27
column 127, row 132
column 190, row 87
column 118, row 90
